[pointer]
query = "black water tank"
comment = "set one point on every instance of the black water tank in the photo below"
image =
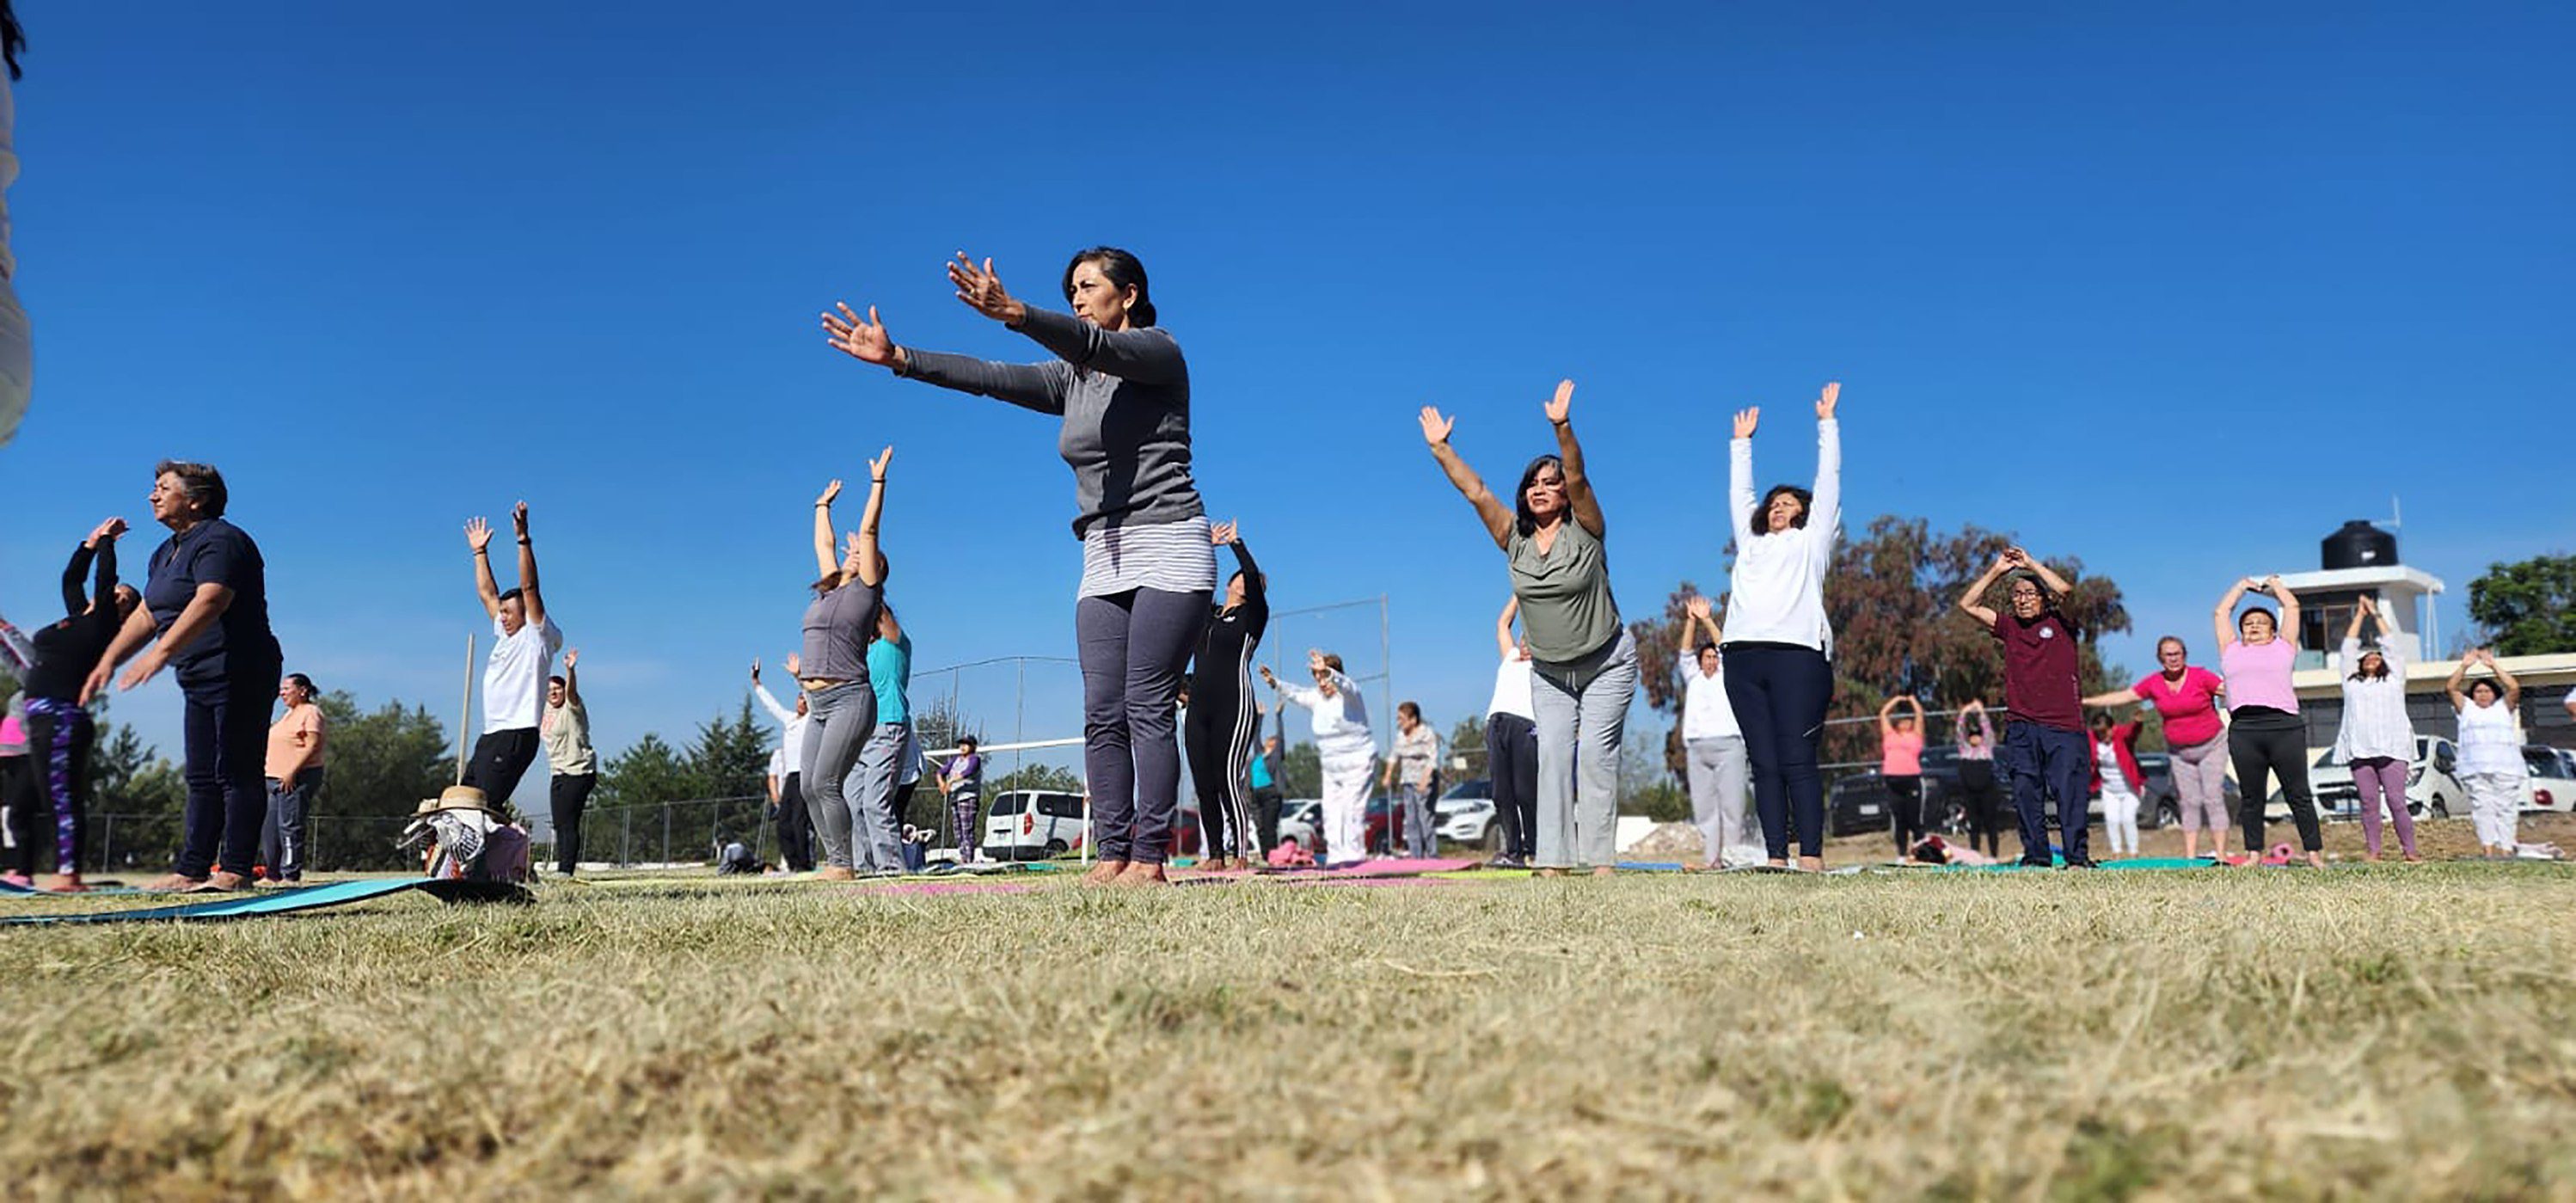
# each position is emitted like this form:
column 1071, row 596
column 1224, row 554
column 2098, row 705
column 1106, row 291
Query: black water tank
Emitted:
column 2360, row 545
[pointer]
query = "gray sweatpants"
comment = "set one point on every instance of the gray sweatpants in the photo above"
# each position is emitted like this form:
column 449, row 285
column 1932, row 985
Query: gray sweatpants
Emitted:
column 837, row 723
column 1722, row 798
column 1134, row 647
column 876, row 836
column 1581, row 708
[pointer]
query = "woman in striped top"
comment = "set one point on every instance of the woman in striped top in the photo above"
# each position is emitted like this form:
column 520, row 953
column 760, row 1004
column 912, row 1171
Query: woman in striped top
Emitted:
column 1120, row 385
column 2377, row 740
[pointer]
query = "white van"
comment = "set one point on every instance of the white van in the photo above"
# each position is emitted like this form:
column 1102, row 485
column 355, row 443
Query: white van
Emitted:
column 1032, row 824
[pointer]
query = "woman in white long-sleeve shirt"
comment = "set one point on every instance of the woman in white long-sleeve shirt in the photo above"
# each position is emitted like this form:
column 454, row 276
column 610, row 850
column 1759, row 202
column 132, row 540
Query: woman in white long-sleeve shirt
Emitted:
column 2491, row 764
column 795, row 828
column 2377, row 740
column 1779, row 675
column 1344, row 745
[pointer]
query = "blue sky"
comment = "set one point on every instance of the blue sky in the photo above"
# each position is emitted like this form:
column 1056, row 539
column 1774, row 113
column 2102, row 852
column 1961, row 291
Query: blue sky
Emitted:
column 2175, row 290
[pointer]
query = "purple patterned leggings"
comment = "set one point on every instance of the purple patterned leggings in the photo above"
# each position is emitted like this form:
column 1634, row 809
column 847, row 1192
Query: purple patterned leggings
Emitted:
column 59, row 735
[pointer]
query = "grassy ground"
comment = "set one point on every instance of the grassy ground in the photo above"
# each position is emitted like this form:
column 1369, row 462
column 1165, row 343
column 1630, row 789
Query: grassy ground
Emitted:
column 2394, row 1032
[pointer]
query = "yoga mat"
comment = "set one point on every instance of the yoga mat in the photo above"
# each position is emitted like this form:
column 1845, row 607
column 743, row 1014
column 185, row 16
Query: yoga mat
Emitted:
column 11, row 889
column 284, row 902
column 947, row 887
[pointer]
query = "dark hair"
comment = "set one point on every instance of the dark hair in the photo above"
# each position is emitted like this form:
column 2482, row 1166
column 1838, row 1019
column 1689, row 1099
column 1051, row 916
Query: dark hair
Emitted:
column 1409, row 708
column 554, row 681
column 1333, row 661
column 968, row 742
column 2101, row 721
column 1704, row 648
column 200, row 482
column 514, row 593
column 2251, row 611
column 304, row 683
column 2472, row 691
column 2047, row 600
column 2175, row 640
column 2367, row 651
column 1123, row 271
column 1762, row 513
column 13, row 40
column 1524, row 521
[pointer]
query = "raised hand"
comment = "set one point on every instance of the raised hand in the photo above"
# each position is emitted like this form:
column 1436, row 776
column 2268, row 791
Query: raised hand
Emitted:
column 863, row 339
column 2018, row 555
column 755, row 672
column 1435, row 429
column 1696, row 607
column 831, row 493
column 877, row 466
column 1825, row 400
column 107, row 531
column 1269, row 678
column 793, row 666
column 2368, row 607
column 2272, row 584
column 850, row 545
column 572, row 658
column 519, row 521
column 1746, row 420
column 1563, row 406
column 1315, row 661
column 1222, row 534
column 478, row 533
column 981, row 289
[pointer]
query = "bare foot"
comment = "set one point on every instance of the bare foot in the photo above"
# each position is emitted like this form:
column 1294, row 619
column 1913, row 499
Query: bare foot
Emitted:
column 66, row 883
column 1811, row 864
column 221, row 882
column 1139, row 873
column 2316, row 860
column 1777, row 862
column 2372, row 857
column 172, row 884
column 1602, row 870
column 1104, row 872
column 1549, row 873
column 836, row 873
column 2413, row 859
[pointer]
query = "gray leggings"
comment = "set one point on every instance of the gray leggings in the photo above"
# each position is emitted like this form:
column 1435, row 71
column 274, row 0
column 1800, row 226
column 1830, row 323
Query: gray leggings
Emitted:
column 1135, row 646
column 1582, row 712
column 876, row 833
column 838, row 722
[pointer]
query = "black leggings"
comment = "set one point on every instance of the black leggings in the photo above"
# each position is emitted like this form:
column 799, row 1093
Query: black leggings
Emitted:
column 567, row 795
column 1779, row 692
column 18, row 792
column 1905, row 811
column 2262, row 745
column 795, row 835
column 1218, row 737
column 1979, row 796
column 1511, row 764
column 1133, row 647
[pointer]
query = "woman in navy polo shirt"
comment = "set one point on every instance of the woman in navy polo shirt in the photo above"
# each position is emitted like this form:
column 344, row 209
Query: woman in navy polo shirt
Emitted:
column 207, row 600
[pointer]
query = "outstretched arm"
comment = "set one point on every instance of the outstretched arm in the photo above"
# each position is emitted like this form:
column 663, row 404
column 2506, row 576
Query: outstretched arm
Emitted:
column 2223, row 619
column 73, row 601
column 769, row 701
column 2113, row 697
column 1827, row 509
column 2289, row 608
column 15, row 649
column 1038, row 387
column 1739, row 471
column 2048, row 577
column 1578, row 483
column 1145, row 354
column 826, row 557
column 478, row 535
column 572, row 678
column 529, row 595
column 1489, row 509
column 132, row 636
column 871, row 569
column 2512, row 688
column 2459, row 673
column 1971, row 602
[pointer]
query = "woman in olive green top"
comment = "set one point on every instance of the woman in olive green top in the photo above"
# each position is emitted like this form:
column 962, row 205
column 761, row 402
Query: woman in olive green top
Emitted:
column 1583, row 662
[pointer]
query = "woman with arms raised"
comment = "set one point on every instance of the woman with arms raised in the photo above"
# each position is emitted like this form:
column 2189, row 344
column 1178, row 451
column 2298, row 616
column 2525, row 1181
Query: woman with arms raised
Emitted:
column 1582, row 660
column 1779, row 645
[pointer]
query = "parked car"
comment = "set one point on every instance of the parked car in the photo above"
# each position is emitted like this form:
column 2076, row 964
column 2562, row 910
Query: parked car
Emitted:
column 2431, row 787
column 1032, row 824
column 2552, row 779
column 1861, row 803
column 1302, row 820
column 1465, row 815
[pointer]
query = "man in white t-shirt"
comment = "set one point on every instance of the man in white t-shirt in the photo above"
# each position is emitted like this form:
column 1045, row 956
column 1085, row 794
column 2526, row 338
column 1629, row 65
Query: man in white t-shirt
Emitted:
column 524, row 643
column 1713, row 747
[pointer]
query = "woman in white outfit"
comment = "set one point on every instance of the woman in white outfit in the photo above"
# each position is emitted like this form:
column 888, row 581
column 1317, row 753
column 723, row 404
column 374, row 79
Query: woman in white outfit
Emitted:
column 2491, row 766
column 1713, row 746
column 1345, row 746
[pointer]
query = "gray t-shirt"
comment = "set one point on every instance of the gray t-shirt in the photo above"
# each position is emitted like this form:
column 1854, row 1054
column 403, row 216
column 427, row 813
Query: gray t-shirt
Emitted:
column 1125, row 399
column 838, row 627
column 1565, row 594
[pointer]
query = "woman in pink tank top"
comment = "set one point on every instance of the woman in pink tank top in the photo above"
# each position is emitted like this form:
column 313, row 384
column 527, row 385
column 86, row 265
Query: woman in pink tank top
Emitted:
column 1900, row 768
column 2267, row 736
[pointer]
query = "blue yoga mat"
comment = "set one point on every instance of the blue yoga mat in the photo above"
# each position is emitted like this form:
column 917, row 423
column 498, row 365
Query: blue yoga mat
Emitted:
column 287, row 902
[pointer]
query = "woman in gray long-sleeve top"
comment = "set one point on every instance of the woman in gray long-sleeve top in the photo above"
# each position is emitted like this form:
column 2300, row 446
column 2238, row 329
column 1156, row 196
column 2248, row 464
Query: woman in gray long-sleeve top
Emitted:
column 1123, row 391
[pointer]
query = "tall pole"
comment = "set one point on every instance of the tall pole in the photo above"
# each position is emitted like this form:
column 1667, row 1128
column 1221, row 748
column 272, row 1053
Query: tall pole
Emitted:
column 465, row 711
column 1386, row 664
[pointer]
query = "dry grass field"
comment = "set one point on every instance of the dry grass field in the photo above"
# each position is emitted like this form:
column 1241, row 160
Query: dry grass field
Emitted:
column 2384, row 1032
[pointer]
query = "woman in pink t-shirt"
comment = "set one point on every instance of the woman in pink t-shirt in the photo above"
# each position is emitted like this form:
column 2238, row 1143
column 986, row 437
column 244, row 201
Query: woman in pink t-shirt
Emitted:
column 1900, row 768
column 2267, row 735
column 2185, row 696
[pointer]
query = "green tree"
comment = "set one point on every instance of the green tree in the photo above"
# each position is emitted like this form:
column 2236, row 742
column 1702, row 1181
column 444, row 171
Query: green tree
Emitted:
column 1301, row 771
column 1466, row 740
column 146, row 795
column 381, row 764
column 729, row 762
column 1035, row 776
column 2527, row 608
column 647, row 772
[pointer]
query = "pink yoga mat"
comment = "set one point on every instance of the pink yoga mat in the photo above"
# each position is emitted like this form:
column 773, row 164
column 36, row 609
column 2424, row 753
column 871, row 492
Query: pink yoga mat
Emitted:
column 948, row 887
